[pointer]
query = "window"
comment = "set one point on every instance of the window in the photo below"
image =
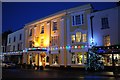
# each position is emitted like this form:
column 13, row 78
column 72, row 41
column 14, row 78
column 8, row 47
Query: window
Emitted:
column 42, row 29
column 77, row 20
column 55, row 59
column 42, row 42
column 54, row 40
column 13, row 48
column 105, row 24
column 14, row 39
column 107, row 40
column 73, row 58
column 30, row 44
column 84, row 37
column 54, row 26
column 73, row 38
column 9, row 40
column 30, row 32
column 78, row 36
column 20, row 37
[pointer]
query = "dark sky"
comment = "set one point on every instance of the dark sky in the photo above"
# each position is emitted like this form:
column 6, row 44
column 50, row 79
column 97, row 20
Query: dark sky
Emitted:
column 16, row 14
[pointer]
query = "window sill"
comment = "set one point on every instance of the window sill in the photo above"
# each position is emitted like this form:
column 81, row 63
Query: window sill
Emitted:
column 78, row 25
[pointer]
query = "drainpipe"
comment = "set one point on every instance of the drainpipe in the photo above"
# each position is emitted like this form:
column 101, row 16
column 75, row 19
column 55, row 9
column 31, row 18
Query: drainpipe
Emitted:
column 91, row 22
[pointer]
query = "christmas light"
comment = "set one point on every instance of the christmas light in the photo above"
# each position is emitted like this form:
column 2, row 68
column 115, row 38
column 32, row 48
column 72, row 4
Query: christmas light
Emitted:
column 85, row 46
column 72, row 47
column 79, row 47
column 117, row 47
column 63, row 47
column 60, row 47
column 75, row 46
column 82, row 47
column 56, row 48
column 52, row 48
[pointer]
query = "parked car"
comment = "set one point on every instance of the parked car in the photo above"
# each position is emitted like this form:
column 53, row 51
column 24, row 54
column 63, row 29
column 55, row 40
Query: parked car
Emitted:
column 8, row 64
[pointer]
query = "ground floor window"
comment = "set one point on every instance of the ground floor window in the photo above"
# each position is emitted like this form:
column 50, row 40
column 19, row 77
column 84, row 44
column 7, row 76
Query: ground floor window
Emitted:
column 47, row 59
column 79, row 58
column 73, row 58
column 55, row 58
column 107, row 59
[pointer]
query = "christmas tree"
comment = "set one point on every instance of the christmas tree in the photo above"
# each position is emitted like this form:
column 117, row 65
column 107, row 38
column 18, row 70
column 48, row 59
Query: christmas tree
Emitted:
column 93, row 61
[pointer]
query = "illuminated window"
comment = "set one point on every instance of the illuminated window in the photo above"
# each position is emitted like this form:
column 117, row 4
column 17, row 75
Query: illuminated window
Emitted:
column 73, row 38
column 78, row 36
column 54, row 26
column 107, row 40
column 42, row 29
column 54, row 40
column 84, row 37
column 77, row 19
column 30, row 32
column 42, row 42
column 105, row 24
column 73, row 58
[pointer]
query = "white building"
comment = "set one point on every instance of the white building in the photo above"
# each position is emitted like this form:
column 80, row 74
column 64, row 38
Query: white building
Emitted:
column 104, row 30
column 15, row 46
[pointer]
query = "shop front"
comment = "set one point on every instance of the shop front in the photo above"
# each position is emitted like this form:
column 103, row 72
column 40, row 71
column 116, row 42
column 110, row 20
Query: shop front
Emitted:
column 110, row 55
column 78, row 58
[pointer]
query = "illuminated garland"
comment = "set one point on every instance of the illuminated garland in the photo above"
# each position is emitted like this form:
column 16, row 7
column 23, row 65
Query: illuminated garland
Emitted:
column 62, row 47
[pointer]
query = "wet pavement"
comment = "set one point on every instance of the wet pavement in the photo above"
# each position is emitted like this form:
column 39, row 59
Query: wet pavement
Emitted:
column 52, row 73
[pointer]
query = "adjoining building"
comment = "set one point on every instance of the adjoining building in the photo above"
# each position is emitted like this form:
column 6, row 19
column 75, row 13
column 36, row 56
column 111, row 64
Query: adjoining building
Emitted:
column 104, row 34
column 15, row 47
column 77, row 35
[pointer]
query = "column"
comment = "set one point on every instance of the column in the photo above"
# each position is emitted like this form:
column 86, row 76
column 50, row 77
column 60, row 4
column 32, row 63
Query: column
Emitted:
column 38, row 59
column 28, row 58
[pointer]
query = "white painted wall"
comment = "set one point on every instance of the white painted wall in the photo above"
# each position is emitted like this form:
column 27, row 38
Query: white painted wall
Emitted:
column 17, row 35
column 98, row 33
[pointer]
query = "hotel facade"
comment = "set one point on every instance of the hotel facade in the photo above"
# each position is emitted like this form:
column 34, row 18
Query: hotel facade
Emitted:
column 59, row 39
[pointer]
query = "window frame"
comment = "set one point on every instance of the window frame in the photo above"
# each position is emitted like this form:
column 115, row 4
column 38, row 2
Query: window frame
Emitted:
column 54, row 28
column 104, row 23
column 81, row 19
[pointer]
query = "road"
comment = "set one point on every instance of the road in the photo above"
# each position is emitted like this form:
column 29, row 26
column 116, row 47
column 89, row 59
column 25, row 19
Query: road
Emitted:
column 49, row 73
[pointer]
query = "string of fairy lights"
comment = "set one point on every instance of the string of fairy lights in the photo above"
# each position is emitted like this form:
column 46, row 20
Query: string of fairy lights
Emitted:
column 63, row 47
